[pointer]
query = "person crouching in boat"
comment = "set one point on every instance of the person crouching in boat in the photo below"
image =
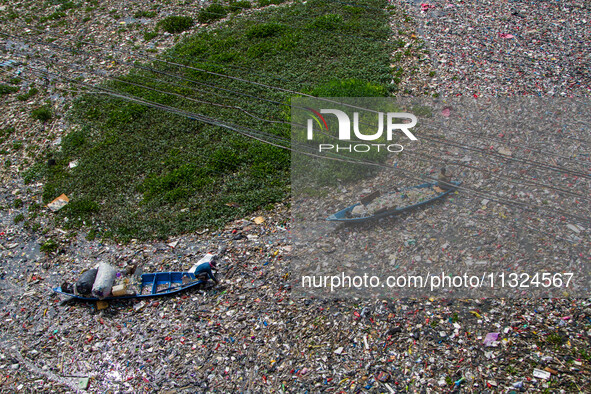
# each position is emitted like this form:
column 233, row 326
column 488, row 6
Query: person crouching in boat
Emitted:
column 204, row 270
column 443, row 180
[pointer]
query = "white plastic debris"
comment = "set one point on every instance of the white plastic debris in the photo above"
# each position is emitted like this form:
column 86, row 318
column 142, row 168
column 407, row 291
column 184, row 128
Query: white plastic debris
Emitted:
column 104, row 280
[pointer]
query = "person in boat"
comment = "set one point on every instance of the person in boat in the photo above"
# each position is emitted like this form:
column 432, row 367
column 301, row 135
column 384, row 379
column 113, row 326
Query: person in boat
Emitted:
column 205, row 270
column 443, row 180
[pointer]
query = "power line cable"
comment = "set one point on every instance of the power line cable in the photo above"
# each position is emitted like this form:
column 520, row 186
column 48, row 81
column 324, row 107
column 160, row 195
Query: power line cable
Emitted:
column 558, row 168
column 163, row 108
column 258, row 136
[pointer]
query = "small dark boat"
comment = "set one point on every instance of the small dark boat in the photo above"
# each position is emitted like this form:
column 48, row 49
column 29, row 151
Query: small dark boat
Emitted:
column 151, row 285
column 344, row 215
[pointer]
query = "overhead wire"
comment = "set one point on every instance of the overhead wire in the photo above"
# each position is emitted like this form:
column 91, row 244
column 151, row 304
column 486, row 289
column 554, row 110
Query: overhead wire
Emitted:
column 537, row 164
column 272, row 139
column 161, row 107
column 160, row 60
column 205, row 119
column 435, row 140
column 511, row 179
column 261, row 137
column 160, row 91
column 283, row 147
column 153, row 70
column 516, row 126
column 196, row 119
column 558, row 168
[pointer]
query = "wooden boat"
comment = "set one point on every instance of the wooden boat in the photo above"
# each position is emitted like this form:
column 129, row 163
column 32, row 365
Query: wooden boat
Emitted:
column 344, row 214
column 151, row 285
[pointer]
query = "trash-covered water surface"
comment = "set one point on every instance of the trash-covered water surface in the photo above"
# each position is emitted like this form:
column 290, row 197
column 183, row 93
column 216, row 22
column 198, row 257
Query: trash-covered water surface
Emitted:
column 456, row 212
column 505, row 49
column 254, row 332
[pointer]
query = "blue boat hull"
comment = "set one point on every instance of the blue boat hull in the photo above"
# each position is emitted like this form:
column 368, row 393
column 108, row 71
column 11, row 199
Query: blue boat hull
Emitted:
column 341, row 216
